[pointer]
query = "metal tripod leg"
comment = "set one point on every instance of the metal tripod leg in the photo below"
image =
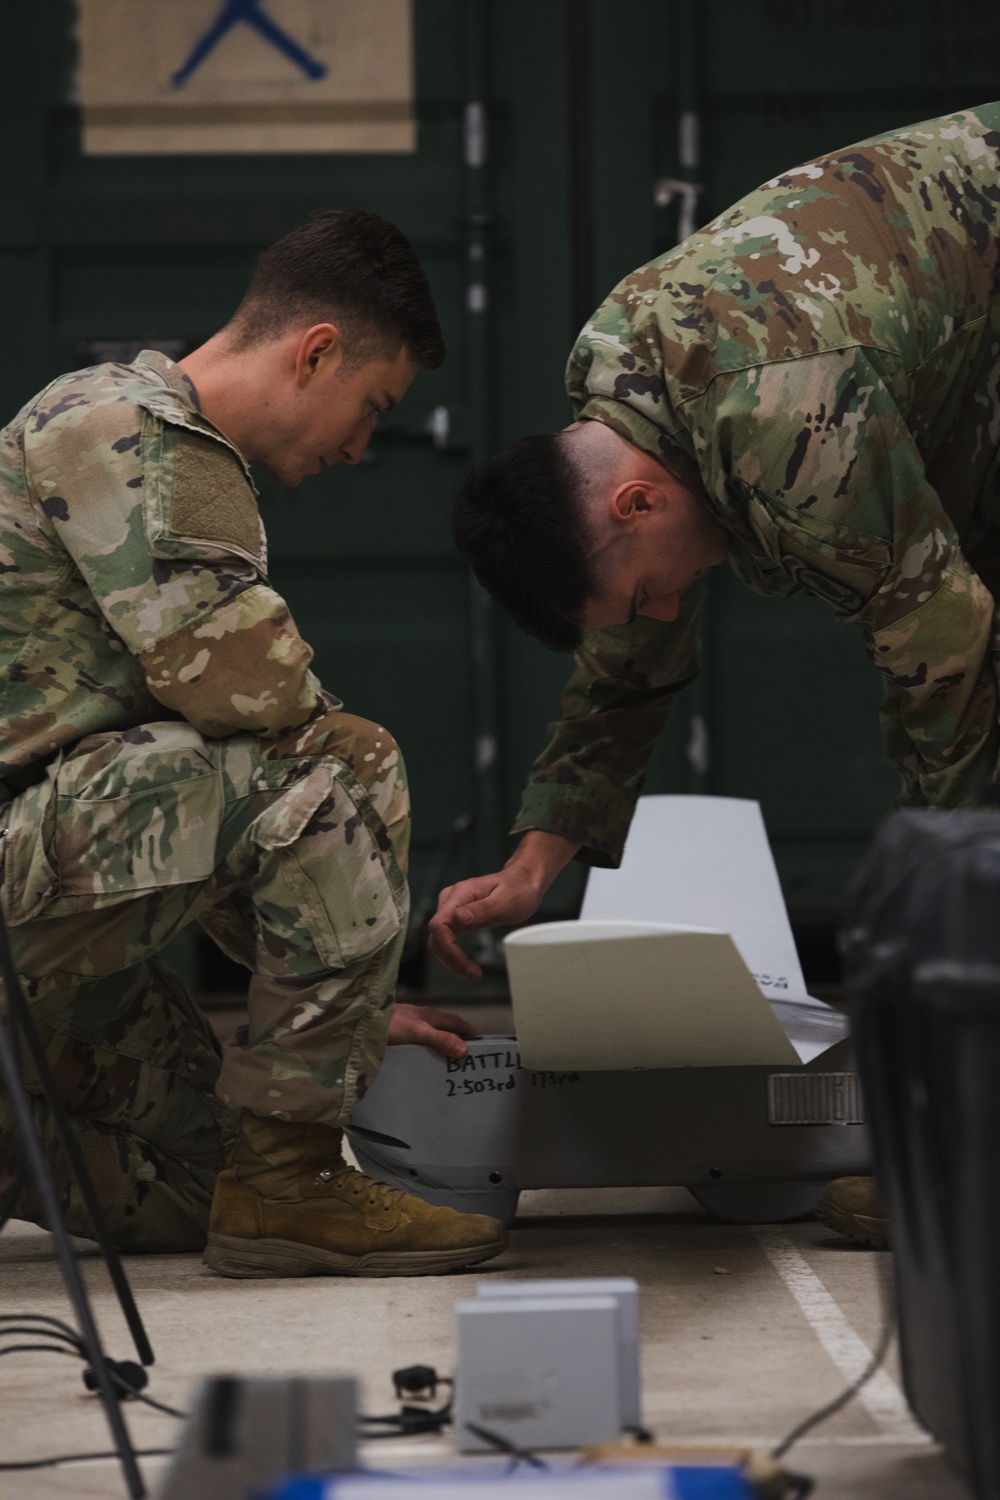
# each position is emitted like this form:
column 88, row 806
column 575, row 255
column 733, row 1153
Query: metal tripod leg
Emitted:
column 21, row 1015
column 22, row 1019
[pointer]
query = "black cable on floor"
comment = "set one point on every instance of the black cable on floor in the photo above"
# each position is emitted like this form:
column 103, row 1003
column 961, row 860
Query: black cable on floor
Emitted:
column 410, row 1421
column 44, row 1317
column 67, row 1341
column 77, row 1458
column 501, row 1444
column 130, row 1391
column 71, row 1343
column 848, row 1394
column 37, row 1349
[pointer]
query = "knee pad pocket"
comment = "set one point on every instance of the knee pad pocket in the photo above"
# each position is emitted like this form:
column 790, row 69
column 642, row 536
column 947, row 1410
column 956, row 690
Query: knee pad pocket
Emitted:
column 334, row 871
column 369, row 752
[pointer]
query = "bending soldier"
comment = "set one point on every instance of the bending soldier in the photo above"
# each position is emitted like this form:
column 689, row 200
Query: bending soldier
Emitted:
column 807, row 389
column 168, row 757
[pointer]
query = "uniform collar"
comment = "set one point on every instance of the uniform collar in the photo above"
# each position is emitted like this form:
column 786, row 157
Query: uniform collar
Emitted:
column 172, row 376
column 638, row 429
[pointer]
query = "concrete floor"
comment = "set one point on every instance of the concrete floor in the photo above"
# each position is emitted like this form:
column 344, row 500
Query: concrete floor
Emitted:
column 728, row 1353
column 744, row 1333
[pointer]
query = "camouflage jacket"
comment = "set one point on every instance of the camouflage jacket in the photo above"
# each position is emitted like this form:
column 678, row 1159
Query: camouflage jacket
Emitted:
column 822, row 365
column 133, row 563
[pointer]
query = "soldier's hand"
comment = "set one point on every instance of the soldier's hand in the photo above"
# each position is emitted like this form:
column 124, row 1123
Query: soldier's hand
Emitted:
column 427, row 1027
column 504, row 899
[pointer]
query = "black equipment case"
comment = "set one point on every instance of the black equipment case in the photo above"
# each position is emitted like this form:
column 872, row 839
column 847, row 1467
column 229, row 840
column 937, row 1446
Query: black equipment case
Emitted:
column 921, row 946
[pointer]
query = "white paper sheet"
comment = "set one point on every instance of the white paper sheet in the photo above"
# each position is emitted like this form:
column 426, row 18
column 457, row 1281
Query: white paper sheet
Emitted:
column 597, row 996
column 704, row 861
column 660, row 969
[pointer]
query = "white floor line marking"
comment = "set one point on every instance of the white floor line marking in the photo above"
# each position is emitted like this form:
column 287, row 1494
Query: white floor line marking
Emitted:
column 881, row 1397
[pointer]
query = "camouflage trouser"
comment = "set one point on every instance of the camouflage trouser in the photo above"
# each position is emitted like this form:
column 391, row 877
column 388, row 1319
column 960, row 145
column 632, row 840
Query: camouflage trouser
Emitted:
column 291, row 853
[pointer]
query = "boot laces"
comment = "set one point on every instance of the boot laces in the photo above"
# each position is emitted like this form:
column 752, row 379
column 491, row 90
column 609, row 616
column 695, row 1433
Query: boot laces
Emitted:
column 361, row 1186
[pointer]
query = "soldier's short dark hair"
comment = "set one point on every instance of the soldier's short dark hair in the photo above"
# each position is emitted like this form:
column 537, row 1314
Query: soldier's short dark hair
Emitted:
column 522, row 525
column 350, row 267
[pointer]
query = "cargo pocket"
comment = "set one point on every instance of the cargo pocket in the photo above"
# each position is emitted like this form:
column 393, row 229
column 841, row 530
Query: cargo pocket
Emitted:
column 334, row 871
column 133, row 812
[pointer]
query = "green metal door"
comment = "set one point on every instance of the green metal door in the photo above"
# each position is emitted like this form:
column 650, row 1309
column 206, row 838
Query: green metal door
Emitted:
column 558, row 146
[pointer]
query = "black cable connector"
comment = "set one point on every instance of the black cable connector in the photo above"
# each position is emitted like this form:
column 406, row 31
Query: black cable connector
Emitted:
column 131, row 1378
column 416, row 1381
column 127, row 1377
column 421, row 1383
column 641, row 1434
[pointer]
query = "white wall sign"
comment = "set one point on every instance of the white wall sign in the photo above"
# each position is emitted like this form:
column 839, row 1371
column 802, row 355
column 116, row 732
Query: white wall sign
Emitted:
column 159, row 76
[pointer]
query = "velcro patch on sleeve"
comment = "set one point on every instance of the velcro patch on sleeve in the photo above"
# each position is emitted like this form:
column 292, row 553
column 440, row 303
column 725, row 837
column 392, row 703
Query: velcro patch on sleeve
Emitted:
column 199, row 501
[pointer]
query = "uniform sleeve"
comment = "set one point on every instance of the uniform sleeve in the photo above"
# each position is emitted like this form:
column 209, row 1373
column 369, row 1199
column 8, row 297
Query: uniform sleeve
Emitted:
column 939, row 715
column 839, row 502
column 162, row 523
column 585, row 783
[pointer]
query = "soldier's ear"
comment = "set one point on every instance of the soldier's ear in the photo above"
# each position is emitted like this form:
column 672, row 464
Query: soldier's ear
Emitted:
column 631, row 498
column 320, row 349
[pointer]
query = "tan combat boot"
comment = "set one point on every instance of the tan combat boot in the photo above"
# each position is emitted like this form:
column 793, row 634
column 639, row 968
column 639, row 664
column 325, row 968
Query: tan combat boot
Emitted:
column 852, row 1206
column 289, row 1205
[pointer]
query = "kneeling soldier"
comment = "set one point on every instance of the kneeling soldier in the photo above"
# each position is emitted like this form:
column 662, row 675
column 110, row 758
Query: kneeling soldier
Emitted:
column 168, row 756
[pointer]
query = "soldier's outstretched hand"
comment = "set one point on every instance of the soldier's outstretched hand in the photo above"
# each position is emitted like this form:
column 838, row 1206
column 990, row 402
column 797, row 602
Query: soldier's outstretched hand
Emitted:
column 504, row 899
column 440, row 1030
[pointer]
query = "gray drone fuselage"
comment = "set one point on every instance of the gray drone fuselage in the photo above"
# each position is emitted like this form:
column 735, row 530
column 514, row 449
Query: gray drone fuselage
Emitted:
column 753, row 1142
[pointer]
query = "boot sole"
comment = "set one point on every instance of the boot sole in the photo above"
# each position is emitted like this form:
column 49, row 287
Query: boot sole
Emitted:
column 263, row 1258
column 854, row 1227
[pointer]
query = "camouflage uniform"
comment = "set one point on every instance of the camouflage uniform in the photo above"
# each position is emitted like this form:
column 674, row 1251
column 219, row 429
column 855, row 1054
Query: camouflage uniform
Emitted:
column 820, row 364
column 173, row 759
